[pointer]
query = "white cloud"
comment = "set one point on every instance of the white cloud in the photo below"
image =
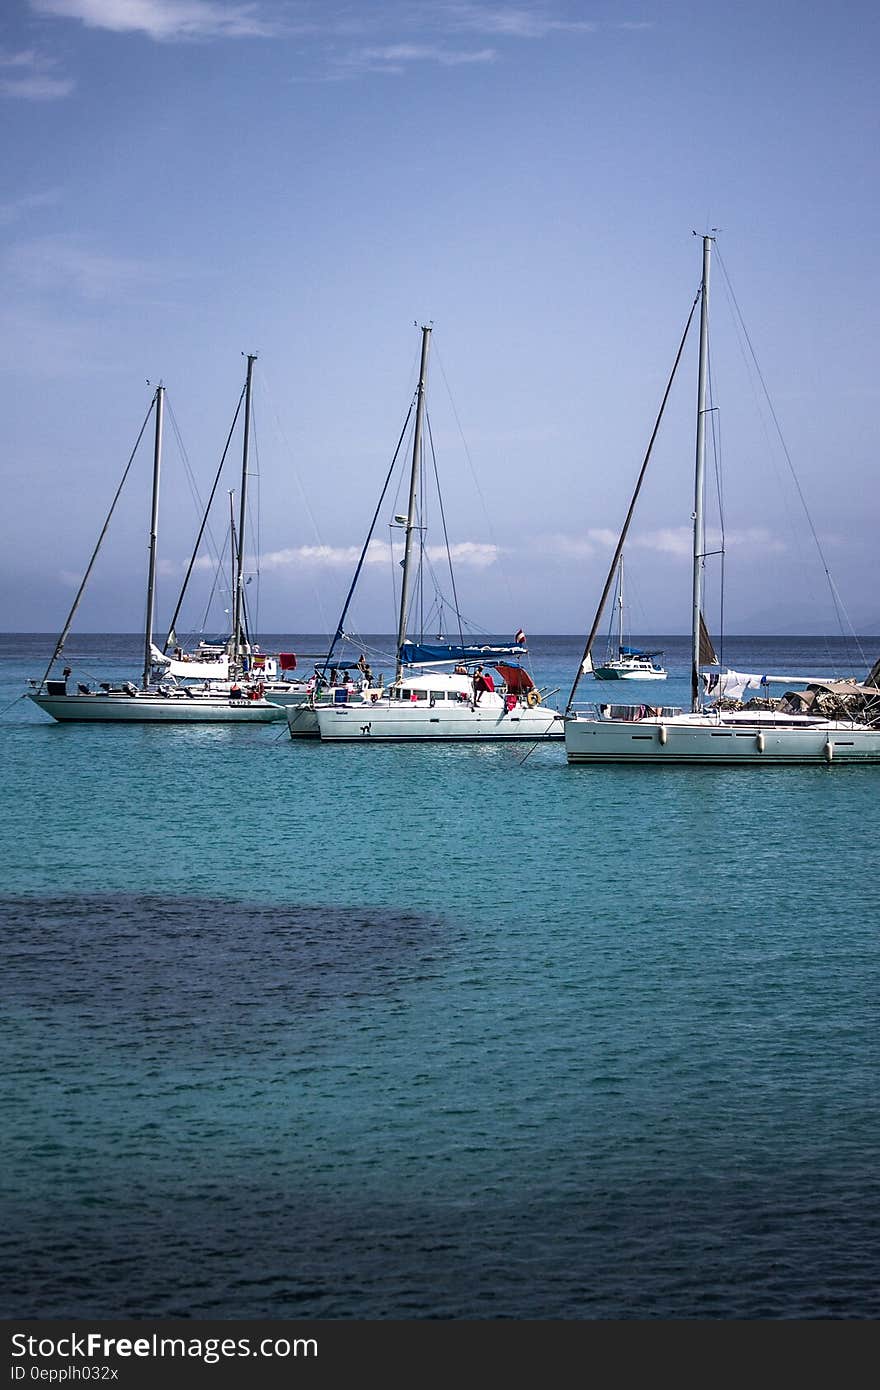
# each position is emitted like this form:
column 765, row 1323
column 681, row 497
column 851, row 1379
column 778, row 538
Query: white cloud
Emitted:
column 394, row 57
column 28, row 75
column 679, row 541
column 595, row 540
column 163, row 19
column 66, row 263
column 515, row 21
column 467, row 554
column 20, row 207
column 668, row 540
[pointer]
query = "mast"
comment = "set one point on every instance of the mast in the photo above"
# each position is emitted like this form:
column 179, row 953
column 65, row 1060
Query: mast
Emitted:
column 154, row 530
column 239, row 569
column 620, row 610
column 413, row 488
column 699, row 471
column 232, row 561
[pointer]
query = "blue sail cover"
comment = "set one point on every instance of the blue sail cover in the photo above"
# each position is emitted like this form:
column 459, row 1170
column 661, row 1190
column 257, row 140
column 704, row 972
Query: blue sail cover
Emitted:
column 637, row 651
column 416, row 653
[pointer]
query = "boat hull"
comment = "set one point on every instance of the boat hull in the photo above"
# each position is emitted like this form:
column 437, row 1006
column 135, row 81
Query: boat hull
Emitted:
column 149, row 709
column 398, row 722
column 609, row 673
column 302, row 721
column 751, row 743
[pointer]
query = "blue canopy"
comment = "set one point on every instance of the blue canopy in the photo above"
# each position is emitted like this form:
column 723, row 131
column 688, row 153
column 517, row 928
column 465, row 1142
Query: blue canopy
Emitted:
column 415, row 653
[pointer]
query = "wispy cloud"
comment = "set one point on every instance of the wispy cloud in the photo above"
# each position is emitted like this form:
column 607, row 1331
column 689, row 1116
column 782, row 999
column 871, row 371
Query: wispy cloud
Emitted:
column 164, row 20
column 594, row 541
column 679, row 541
column 468, row 554
column 29, row 202
column 66, row 263
column 30, row 76
column 675, row 541
column 396, row 57
column 515, row 21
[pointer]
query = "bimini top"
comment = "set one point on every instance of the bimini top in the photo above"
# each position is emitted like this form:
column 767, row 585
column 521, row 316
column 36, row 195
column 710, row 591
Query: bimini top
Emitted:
column 417, row 653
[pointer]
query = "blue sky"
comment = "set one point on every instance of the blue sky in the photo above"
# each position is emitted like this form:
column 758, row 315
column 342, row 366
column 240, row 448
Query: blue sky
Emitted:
column 185, row 181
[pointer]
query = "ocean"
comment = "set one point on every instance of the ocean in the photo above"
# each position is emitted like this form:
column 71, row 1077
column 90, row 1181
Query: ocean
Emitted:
column 387, row 1032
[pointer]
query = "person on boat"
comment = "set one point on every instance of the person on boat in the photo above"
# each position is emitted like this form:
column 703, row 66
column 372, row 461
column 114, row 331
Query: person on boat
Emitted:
column 481, row 684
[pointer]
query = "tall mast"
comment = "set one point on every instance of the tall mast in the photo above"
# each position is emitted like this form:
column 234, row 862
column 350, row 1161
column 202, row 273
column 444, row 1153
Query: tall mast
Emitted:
column 413, row 489
column 239, row 569
column 699, row 471
column 154, row 531
column 232, row 561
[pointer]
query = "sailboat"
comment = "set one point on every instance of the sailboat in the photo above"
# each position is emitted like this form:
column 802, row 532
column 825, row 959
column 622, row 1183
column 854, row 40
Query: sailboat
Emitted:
column 441, row 690
column 828, row 722
column 126, row 702
column 627, row 663
column 237, row 663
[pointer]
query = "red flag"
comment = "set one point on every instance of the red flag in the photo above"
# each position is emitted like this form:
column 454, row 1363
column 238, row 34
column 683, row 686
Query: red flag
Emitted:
column 287, row 661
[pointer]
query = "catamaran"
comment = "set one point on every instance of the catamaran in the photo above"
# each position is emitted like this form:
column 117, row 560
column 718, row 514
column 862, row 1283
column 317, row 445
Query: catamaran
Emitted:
column 828, row 722
column 440, row 690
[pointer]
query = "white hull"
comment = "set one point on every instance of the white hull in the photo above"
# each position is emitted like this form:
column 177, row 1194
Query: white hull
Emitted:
column 734, row 741
column 157, row 709
column 628, row 673
column 396, row 721
column 276, row 692
column 302, row 721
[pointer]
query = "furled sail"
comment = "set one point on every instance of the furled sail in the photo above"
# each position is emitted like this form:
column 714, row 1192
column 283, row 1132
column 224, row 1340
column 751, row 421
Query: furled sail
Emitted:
column 707, row 651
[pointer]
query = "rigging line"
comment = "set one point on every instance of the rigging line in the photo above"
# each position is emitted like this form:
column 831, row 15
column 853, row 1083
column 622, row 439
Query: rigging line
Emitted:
column 172, row 627
column 807, row 571
column 839, row 610
column 59, row 645
column 187, row 466
column 443, row 523
column 467, row 453
column 220, row 574
column 7, row 708
column 632, row 506
column 715, row 427
column 262, row 385
column 341, row 624
column 255, row 520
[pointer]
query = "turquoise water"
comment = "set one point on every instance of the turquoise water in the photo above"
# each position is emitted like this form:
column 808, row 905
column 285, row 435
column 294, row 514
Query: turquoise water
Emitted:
column 295, row 1030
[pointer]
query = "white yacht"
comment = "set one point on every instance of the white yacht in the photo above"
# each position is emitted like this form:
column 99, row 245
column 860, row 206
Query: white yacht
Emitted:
column 829, row 722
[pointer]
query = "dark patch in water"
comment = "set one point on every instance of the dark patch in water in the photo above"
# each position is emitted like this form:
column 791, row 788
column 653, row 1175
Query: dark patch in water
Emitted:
column 203, row 961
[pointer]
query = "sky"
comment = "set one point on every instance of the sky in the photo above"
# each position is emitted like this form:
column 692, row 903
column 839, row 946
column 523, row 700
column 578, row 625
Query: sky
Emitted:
column 188, row 181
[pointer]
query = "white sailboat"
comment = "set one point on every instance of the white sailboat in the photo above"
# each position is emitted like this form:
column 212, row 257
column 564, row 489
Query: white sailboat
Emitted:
column 125, row 702
column 626, row 663
column 236, row 664
column 828, row 722
column 440, row 691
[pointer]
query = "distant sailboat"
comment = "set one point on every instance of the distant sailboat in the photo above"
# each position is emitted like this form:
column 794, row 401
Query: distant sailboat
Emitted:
column 623, row 662
column 829, row 721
